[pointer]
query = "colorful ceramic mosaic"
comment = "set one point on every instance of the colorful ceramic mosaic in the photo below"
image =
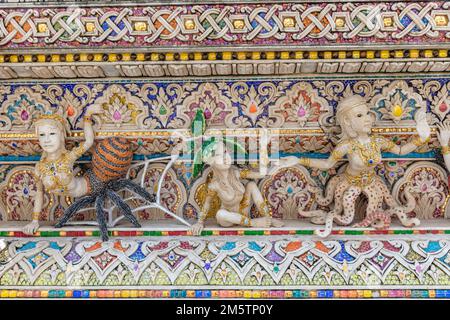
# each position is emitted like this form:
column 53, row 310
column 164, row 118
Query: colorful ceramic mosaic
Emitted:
column 227, row 294
column 251, row 103
column 142, row 108
column 285, row 192
column 149, row 67
column 251, row 24
column 221, row 263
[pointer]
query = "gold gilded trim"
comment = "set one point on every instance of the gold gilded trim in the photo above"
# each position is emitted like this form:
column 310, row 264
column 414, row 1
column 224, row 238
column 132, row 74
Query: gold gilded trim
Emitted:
column 107, row 57
column 209, row 132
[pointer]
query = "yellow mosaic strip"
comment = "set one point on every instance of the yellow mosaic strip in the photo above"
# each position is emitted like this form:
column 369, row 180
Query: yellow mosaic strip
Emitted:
column 300, row 131
column 224, row 56
column 398, row 130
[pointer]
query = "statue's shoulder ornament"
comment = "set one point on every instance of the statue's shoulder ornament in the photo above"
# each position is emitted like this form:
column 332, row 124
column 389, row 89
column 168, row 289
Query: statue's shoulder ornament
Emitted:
column 340, row 150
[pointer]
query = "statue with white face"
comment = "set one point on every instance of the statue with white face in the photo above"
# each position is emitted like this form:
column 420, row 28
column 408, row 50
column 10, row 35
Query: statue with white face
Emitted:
column 363, row 152
column 235, row 197
column 50, row 136
column 54, row 171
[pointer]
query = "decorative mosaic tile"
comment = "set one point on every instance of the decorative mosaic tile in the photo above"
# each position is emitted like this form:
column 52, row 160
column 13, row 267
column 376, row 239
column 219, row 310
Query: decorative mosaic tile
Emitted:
column 384, row 263
column 260, row 24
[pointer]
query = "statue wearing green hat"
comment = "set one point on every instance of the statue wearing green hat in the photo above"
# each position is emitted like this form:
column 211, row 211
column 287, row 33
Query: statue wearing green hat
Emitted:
column 224, row 184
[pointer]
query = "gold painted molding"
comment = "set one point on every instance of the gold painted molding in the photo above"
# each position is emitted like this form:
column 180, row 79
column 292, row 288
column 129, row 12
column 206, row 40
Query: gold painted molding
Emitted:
column 225, row 56
column 186, row 132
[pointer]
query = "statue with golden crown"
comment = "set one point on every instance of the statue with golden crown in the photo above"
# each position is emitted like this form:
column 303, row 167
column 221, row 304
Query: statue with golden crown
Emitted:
column 55, row 174
column 363, row 152
column 54, row 171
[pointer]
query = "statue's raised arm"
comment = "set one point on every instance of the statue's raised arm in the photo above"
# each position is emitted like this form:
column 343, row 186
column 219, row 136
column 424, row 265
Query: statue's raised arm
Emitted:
column 423, row 136
column 364, row 153
column 54, row 171
column 444, row 137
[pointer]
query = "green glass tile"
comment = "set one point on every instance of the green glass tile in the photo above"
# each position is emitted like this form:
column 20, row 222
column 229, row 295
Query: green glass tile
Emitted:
column 354, row 232
column 254, row 232
column 304, row 232
column 403, row 231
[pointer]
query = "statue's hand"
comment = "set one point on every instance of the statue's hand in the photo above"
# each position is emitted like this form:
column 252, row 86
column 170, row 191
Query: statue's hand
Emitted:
column 444, row 133
column 31, row 228
column 422, row 126
column 197, row 228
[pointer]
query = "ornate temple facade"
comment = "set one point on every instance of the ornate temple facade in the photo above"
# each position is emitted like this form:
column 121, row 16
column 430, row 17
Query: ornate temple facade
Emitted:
column 280, row 65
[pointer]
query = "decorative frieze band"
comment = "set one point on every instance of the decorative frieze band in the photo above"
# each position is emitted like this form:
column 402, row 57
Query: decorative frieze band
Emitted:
column 298, row 111
column 204, row 64
column 222, row 264
column 250, row 24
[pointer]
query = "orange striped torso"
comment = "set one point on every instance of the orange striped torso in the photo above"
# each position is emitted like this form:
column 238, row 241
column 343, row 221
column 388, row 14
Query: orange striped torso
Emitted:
column 111, row 158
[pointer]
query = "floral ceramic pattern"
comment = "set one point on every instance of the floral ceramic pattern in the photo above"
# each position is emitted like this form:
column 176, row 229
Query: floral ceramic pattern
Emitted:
column 227, row 104
column 226, row 263
column 430, row 188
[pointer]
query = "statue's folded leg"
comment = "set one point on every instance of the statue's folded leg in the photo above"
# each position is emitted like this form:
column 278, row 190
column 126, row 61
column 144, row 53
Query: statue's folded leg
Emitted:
column 227, row 218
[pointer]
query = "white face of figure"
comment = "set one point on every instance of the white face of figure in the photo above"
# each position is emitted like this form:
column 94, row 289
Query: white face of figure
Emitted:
column 360, row 119
column 50, row 138
column 221, row 158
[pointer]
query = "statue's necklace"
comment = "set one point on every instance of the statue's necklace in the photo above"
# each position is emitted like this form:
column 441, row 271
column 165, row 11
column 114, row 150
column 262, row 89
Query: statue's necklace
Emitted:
column 53, row 167
column 368, row 152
